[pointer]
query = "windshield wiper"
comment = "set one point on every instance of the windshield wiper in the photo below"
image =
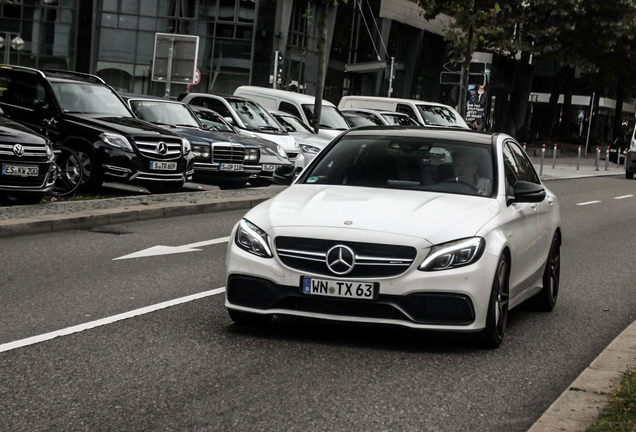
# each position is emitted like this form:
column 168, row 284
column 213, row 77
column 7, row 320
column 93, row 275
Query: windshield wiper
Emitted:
column 272, row 128
column 186, row 125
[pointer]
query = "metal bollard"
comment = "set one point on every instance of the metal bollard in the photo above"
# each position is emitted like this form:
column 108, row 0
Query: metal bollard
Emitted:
column 554, row 155
column 524, row 146
column 598, row 157
column 578, row 159
column 618, row 158
column 607, row 159
column 542, row 157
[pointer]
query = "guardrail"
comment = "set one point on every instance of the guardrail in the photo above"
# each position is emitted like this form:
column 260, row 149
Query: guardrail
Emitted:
column 620, row 157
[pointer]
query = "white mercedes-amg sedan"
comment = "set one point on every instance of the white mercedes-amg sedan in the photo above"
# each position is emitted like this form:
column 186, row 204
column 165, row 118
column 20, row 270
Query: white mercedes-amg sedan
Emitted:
column 438, row 229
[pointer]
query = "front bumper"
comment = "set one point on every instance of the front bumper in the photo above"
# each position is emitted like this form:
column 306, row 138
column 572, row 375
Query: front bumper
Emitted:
column 451, row 300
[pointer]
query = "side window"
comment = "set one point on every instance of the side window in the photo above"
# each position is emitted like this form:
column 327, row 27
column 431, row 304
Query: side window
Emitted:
column 22, row 92
column 526, row 171
column 406, row 110
column 289, row 108
column 511, row 171
column 216, row 105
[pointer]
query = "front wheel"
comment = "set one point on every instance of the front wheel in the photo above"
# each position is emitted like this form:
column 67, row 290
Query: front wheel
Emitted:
column 497, row 318
column 629, row 175
column 69, row 172
column 93, row 175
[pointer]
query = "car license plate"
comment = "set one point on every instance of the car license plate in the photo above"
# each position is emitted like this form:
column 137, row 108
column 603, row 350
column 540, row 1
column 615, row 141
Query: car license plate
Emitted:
column 20, row 170
column 347, row 289
column 269, row 168
column 165, row 166
column 230, row 167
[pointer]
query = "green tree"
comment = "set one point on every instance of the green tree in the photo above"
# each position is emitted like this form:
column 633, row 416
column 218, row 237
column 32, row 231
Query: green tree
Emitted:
column 473, row 24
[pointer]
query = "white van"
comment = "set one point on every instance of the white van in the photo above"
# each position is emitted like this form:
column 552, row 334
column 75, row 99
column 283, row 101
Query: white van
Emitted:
column 332, row 122
column 425, row 113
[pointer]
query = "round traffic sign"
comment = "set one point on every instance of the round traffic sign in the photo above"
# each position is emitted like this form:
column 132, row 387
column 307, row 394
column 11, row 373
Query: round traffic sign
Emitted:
column 197, row 76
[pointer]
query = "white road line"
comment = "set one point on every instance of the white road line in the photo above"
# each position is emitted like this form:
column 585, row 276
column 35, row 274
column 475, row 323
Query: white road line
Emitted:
column 624, row 196
column 108, row 320
column 588, row 203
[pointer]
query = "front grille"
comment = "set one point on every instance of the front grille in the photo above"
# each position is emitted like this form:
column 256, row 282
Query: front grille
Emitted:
column 228, row 153
column 371, row 259
column 149, row 147
column 32, row 153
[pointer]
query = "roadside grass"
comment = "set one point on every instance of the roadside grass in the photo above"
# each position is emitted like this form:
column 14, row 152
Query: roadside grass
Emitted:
column 620, row 414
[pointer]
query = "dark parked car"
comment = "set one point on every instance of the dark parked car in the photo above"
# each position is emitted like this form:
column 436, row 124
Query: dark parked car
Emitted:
column 82, row 112
column 217, row 158
column 273, row 156
column 26, row 161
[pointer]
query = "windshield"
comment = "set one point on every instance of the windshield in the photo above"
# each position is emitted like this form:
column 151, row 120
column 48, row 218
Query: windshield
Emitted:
column 87, row 98
column 214, row 122
column 292, row 123
column 255, row 117
column 330, row 117
column 411, row 163
column 435, row 115
column 164, row 113
column 362, row 120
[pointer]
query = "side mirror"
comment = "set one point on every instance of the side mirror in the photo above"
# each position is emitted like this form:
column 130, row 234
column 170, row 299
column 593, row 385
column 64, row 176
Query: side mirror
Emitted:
column 527, row 192
column 284, row 175
column 230, row 120
column 40, row 106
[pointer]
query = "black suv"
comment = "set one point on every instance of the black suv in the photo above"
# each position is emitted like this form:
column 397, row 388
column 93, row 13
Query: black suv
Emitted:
column 82, row 112
column 26, row 164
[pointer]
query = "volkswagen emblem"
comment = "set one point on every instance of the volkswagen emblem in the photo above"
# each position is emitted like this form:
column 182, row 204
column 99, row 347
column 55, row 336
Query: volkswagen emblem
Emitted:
column 162, row 148
column 340, row 259
column 18, row 150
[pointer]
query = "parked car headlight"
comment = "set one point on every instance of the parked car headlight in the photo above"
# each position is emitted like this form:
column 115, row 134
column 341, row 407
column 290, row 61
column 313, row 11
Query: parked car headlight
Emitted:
column 251, row 238
column 454, row 254
column 281, row 151
column 201, row 151
column 49, row 151
column 116, row 140
column 251, row 155
column 187, row 147
column 309, row 149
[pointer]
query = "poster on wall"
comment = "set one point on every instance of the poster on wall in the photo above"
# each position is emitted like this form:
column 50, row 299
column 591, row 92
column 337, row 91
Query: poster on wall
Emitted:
column 477, row 104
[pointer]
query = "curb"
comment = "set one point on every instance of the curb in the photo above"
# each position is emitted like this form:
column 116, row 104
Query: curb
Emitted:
column 88, row 219
column 579, row 406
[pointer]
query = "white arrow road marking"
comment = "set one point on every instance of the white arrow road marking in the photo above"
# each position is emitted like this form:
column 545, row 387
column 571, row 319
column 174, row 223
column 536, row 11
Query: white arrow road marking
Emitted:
column 108, row 320
column 624, row 196
column 588, row 203
column 167, row 250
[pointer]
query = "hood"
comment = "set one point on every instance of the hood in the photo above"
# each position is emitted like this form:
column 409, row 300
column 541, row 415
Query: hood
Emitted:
column 125, row 125
column 16, row 133
column 209, row 137
column 436, row 217
column 287, row 142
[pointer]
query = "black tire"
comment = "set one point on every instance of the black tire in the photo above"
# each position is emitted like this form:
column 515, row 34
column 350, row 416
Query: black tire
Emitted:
column 249, row 319
column 497, row 318
column 629, row 175
column 547, row 297
column 93, row 175
column 225, row 185
column 69, row 172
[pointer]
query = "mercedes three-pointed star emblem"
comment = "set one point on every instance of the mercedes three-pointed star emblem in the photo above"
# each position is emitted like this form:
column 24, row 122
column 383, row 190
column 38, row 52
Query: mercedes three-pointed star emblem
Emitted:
column 340, row 259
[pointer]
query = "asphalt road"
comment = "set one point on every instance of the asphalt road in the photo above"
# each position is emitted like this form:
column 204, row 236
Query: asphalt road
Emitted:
column 188, row 368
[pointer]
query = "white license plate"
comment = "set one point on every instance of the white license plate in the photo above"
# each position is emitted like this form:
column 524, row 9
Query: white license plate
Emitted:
column 20, row 170
column 165, row 166
column 269, row 168
column 334, row 288
column 230, row 167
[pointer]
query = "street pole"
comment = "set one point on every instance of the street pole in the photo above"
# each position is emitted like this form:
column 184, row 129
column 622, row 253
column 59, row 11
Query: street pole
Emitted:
column 589, row 123
column 391, row 76
column 169, row 71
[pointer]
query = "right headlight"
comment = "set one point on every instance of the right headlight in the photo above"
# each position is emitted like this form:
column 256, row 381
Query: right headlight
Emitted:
column 252, row 239
column 281, row 151
column 309, row 149
column 458, row 253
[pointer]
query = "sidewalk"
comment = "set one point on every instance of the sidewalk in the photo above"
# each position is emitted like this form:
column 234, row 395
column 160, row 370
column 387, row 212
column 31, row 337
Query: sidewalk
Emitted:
column 573, row 411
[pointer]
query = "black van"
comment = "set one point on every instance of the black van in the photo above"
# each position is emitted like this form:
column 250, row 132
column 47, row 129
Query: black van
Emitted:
column 82, row 112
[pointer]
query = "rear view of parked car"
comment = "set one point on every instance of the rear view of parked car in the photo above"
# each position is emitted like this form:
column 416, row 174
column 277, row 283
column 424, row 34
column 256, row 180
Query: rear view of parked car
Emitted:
column 26, row 163
column 82, row 112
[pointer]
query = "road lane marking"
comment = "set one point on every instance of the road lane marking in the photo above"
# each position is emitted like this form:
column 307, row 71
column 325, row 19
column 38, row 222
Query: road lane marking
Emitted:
column 167, row 250
column 624, row 196
column 108, row 320
column 588, row 203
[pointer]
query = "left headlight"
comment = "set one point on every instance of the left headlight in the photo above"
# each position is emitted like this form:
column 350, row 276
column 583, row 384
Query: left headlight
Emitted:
column 187, row 147
column 49, row 151
column 281, row 151
column 454, row 254
column 309, row 148
column 251, row 155
column 116, row 140
column 252, row 239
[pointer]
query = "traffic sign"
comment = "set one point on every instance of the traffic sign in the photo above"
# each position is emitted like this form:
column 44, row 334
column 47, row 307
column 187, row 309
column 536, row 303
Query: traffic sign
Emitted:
column 473, row 68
